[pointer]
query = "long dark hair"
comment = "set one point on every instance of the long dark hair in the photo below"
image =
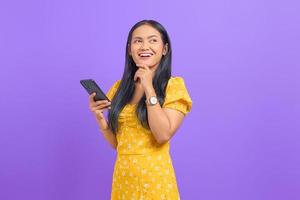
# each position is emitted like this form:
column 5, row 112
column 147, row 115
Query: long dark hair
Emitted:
column 126, row 88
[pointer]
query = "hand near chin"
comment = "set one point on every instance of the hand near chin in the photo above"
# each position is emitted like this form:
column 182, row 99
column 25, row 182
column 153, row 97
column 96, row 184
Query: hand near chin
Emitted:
column 144, row 75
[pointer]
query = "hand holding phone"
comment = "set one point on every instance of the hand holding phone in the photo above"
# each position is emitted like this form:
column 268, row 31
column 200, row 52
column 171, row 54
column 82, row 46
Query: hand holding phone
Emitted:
column 91, row 86
column 98, row 101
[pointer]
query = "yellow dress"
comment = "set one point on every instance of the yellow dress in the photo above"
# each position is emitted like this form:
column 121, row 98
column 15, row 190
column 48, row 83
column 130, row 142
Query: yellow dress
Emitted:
column 143, row 168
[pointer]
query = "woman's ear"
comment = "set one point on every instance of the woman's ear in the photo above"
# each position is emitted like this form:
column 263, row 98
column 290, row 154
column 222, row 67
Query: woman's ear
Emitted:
column 166, row 49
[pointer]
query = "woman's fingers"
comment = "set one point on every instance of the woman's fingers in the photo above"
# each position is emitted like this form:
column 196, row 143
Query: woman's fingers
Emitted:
column 91, row 97
column 102, row 102
column 137, row 75
column 142, row 69
column 98, row 110
column 99, row 106
column 97, row 103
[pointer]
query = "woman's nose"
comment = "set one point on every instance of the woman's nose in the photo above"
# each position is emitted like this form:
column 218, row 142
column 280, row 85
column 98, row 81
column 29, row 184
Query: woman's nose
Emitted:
column 144, row 46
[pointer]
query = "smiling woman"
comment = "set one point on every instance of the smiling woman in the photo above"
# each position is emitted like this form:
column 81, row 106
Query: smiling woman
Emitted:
column 147, row 46
column 147, row 107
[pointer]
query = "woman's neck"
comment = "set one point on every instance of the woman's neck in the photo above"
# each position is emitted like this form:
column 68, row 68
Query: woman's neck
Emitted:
column 138, row 93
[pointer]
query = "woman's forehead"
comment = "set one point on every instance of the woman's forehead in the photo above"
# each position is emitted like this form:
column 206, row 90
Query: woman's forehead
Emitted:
column 145, row 31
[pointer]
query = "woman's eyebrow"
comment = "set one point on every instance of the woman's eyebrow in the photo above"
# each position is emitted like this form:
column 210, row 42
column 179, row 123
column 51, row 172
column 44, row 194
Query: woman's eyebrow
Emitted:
column 151, row 36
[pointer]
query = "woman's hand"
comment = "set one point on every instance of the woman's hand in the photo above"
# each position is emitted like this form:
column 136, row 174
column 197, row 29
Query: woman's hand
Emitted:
column 145, row 75
column 97, row 107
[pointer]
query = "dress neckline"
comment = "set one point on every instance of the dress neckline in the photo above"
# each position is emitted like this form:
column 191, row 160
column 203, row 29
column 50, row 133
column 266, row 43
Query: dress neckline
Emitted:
column 131, row 104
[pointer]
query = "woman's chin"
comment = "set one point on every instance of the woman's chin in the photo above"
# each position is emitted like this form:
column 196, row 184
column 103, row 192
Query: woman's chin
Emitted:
column 142, row 62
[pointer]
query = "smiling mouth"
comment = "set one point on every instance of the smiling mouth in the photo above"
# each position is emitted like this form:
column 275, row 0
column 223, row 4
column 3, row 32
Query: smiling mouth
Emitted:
column 145, row 55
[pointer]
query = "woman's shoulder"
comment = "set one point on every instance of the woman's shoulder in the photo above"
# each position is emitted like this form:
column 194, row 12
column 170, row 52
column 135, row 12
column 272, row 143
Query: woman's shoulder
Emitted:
column 176, row 80
column 177, row 95
column 111, row 92
column 117, row 83
column 176, row 86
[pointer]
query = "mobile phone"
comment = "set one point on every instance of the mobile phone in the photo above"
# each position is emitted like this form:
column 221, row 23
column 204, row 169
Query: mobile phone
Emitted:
column 91, row 86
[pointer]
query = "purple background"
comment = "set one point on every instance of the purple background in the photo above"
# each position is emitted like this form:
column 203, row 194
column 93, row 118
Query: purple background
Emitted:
column 240, row 61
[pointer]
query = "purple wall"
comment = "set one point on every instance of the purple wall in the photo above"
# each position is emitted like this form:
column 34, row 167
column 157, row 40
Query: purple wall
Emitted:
column 240, row 61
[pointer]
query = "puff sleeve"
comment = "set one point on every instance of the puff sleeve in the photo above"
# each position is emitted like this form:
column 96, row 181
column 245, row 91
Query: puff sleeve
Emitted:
column 111, row 92
column 177, row 96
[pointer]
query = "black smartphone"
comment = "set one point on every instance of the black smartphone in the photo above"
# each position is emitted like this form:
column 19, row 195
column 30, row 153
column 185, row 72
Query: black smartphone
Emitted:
column 91, row 86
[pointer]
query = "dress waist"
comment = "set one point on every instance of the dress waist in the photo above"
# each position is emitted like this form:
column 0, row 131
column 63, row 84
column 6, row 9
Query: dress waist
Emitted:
column 147, row 152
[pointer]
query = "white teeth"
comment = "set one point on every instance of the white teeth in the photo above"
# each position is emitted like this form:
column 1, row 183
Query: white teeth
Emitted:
column 145, row 54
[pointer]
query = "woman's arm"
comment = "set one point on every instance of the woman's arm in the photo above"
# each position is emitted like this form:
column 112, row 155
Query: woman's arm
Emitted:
column 97, row 107
column 110, row 137
column 163, row 122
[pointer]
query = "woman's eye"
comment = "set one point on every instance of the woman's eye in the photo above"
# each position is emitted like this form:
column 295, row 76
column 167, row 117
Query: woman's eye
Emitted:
column 137, row 41
column 153, row 40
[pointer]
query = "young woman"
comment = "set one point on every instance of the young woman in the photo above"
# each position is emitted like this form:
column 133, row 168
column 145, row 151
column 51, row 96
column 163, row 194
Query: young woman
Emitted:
column 147, row 107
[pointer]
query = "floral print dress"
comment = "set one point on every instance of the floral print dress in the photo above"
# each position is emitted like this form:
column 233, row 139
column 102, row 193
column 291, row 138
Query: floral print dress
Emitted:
column 143, row 168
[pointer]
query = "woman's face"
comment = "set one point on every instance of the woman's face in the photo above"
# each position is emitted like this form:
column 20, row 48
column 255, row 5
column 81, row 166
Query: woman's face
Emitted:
column 146, row 46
